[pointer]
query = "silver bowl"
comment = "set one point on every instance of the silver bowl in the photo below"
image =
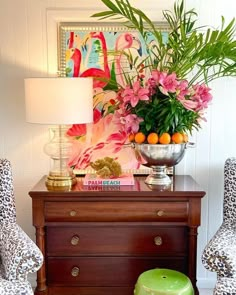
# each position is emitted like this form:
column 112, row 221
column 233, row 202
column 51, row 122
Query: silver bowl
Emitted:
column 158, row 157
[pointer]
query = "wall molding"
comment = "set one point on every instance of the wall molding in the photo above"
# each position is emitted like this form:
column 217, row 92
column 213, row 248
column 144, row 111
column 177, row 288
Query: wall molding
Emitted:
column 80, row 11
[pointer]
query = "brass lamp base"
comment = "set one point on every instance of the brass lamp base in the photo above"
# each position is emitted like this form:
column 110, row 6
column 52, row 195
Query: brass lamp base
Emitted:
column 60, row 183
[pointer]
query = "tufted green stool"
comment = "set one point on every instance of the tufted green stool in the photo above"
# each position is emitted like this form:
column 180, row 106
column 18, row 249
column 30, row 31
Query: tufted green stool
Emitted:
column 161, row 281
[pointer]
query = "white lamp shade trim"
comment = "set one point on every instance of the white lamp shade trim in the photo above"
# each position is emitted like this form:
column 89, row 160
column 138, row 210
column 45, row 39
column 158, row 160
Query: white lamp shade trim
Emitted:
column 59, row 100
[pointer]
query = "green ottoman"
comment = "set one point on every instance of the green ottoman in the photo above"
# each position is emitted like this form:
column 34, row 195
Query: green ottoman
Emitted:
column 161, row 281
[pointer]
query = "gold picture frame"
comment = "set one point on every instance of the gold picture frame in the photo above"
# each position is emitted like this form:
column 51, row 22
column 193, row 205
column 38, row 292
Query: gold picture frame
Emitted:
column 73, row 37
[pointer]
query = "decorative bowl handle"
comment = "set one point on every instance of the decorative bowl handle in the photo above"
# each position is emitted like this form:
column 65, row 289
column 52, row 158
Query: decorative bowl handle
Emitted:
column 190, row 144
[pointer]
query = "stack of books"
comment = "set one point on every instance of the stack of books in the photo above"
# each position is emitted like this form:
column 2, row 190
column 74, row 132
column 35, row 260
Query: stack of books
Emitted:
column 94, row 179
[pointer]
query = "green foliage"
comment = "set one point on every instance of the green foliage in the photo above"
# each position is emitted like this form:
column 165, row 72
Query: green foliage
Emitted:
column 210, row 54
column 165, row 114
column 198, row 55
column 68, row 71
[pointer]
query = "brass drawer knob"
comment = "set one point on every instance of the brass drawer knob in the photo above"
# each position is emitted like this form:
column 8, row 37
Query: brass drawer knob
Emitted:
column 74, row 240
column 75, row 271
column 160, row 213
column 158, row 241
column 73, row 213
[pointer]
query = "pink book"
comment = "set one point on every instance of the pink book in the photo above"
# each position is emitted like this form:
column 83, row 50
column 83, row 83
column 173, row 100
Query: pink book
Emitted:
column 94, row 179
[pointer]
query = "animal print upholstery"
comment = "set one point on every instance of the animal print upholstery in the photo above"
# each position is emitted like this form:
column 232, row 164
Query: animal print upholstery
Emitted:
column 220, row 254
column 7, row 200
column 19, row 255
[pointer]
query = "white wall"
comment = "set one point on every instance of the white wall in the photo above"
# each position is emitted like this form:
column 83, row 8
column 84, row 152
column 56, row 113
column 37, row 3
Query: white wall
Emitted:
column 28, row 47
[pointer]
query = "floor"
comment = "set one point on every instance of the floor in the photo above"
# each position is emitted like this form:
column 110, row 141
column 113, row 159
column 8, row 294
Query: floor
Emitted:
column 205, row 292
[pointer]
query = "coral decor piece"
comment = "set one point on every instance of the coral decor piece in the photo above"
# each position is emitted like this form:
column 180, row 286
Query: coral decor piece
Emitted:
column 107, row 167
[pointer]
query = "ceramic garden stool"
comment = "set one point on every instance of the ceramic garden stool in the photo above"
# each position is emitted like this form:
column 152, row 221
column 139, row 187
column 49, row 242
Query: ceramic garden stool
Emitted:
column 161, row 281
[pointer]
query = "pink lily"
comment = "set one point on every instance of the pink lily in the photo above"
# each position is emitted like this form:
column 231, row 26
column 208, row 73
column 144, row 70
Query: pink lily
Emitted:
column 182, row 89
column 202, row 95
column 133, row 95
column 189, row 104
column 168, row 83
column 132, row 123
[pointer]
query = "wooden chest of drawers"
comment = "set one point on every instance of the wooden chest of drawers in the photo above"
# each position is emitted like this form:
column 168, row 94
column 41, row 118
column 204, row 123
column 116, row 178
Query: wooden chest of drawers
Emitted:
column 97, row 242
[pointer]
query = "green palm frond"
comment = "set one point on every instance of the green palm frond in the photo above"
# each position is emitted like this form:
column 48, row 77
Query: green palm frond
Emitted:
column 211, row 54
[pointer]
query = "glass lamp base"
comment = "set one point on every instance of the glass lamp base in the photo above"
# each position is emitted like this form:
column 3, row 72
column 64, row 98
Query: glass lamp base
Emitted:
column 54, row 182
column 61, row 177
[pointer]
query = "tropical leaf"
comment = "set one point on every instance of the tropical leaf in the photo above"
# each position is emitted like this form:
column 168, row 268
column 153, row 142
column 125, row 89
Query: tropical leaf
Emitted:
column 196, row 54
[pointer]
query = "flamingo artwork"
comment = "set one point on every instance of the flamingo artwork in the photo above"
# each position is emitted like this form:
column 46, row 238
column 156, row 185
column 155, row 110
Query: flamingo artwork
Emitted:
column 104, row 74
column 71, row 40
column 75, row 55
column 96, row 72
column 124, row 42
column 89, row 54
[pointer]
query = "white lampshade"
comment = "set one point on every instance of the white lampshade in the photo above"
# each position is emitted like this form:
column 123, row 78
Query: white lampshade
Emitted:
column 59, row 100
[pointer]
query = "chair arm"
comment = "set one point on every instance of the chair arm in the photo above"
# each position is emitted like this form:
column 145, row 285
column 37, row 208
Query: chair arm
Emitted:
column 15, row 287
column 220, row 253
column 19, row 254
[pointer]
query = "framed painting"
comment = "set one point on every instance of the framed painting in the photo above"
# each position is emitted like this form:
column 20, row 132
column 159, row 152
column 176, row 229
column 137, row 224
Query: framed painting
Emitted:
column 87, row 50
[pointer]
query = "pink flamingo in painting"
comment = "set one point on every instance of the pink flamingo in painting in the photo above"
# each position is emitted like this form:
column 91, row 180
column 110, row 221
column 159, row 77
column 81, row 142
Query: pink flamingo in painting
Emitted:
column 123, row 42
column 75, row 55
column 71, row 40
column 95, row 72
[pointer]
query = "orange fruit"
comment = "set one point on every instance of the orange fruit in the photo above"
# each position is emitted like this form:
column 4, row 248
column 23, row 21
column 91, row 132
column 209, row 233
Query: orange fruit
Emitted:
column 165, row 138
column 131, row 137
column 177, row 137
column 185, row 137
column 152, row 138
column 139, row 137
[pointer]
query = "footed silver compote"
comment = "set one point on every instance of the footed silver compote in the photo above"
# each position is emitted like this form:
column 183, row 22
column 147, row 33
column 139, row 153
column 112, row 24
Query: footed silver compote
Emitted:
column 159, row 157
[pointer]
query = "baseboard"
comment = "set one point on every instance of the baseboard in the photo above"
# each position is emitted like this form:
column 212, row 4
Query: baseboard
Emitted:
column 206, row 283
column 32, row 279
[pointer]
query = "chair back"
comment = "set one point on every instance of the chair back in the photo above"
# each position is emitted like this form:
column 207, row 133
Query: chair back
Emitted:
column 7, row 199
column 229, row 206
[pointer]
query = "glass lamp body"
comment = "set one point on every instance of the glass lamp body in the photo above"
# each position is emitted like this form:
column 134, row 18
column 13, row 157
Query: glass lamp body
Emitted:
column 59, row 149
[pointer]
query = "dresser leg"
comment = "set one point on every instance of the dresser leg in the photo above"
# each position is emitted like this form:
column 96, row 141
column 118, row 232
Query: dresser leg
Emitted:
column 193, row 257
column 45, row 292
column 41, row 288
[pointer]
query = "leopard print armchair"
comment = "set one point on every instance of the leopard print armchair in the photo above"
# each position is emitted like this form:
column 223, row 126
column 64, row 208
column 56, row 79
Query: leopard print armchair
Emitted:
column 220, row 254
column 19, row 255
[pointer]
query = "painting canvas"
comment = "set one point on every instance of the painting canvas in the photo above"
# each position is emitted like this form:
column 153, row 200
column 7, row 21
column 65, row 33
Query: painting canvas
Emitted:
column 88, row 51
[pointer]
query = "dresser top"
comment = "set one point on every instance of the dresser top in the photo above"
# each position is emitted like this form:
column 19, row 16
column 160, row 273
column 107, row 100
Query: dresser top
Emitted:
column 182, row 186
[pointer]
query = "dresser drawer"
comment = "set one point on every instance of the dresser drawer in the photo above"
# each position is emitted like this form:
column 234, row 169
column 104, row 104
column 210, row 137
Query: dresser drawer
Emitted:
column 116, row 240
column 116, row 211
column 105, row 271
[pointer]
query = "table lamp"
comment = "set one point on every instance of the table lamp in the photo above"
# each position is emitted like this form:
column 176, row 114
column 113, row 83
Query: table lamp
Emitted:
column 59, row 101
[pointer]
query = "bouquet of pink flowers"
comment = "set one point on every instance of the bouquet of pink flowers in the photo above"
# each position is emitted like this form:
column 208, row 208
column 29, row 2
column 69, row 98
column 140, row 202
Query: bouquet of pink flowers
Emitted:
column 163, row 103
column 155, row 80
column 169, row 91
